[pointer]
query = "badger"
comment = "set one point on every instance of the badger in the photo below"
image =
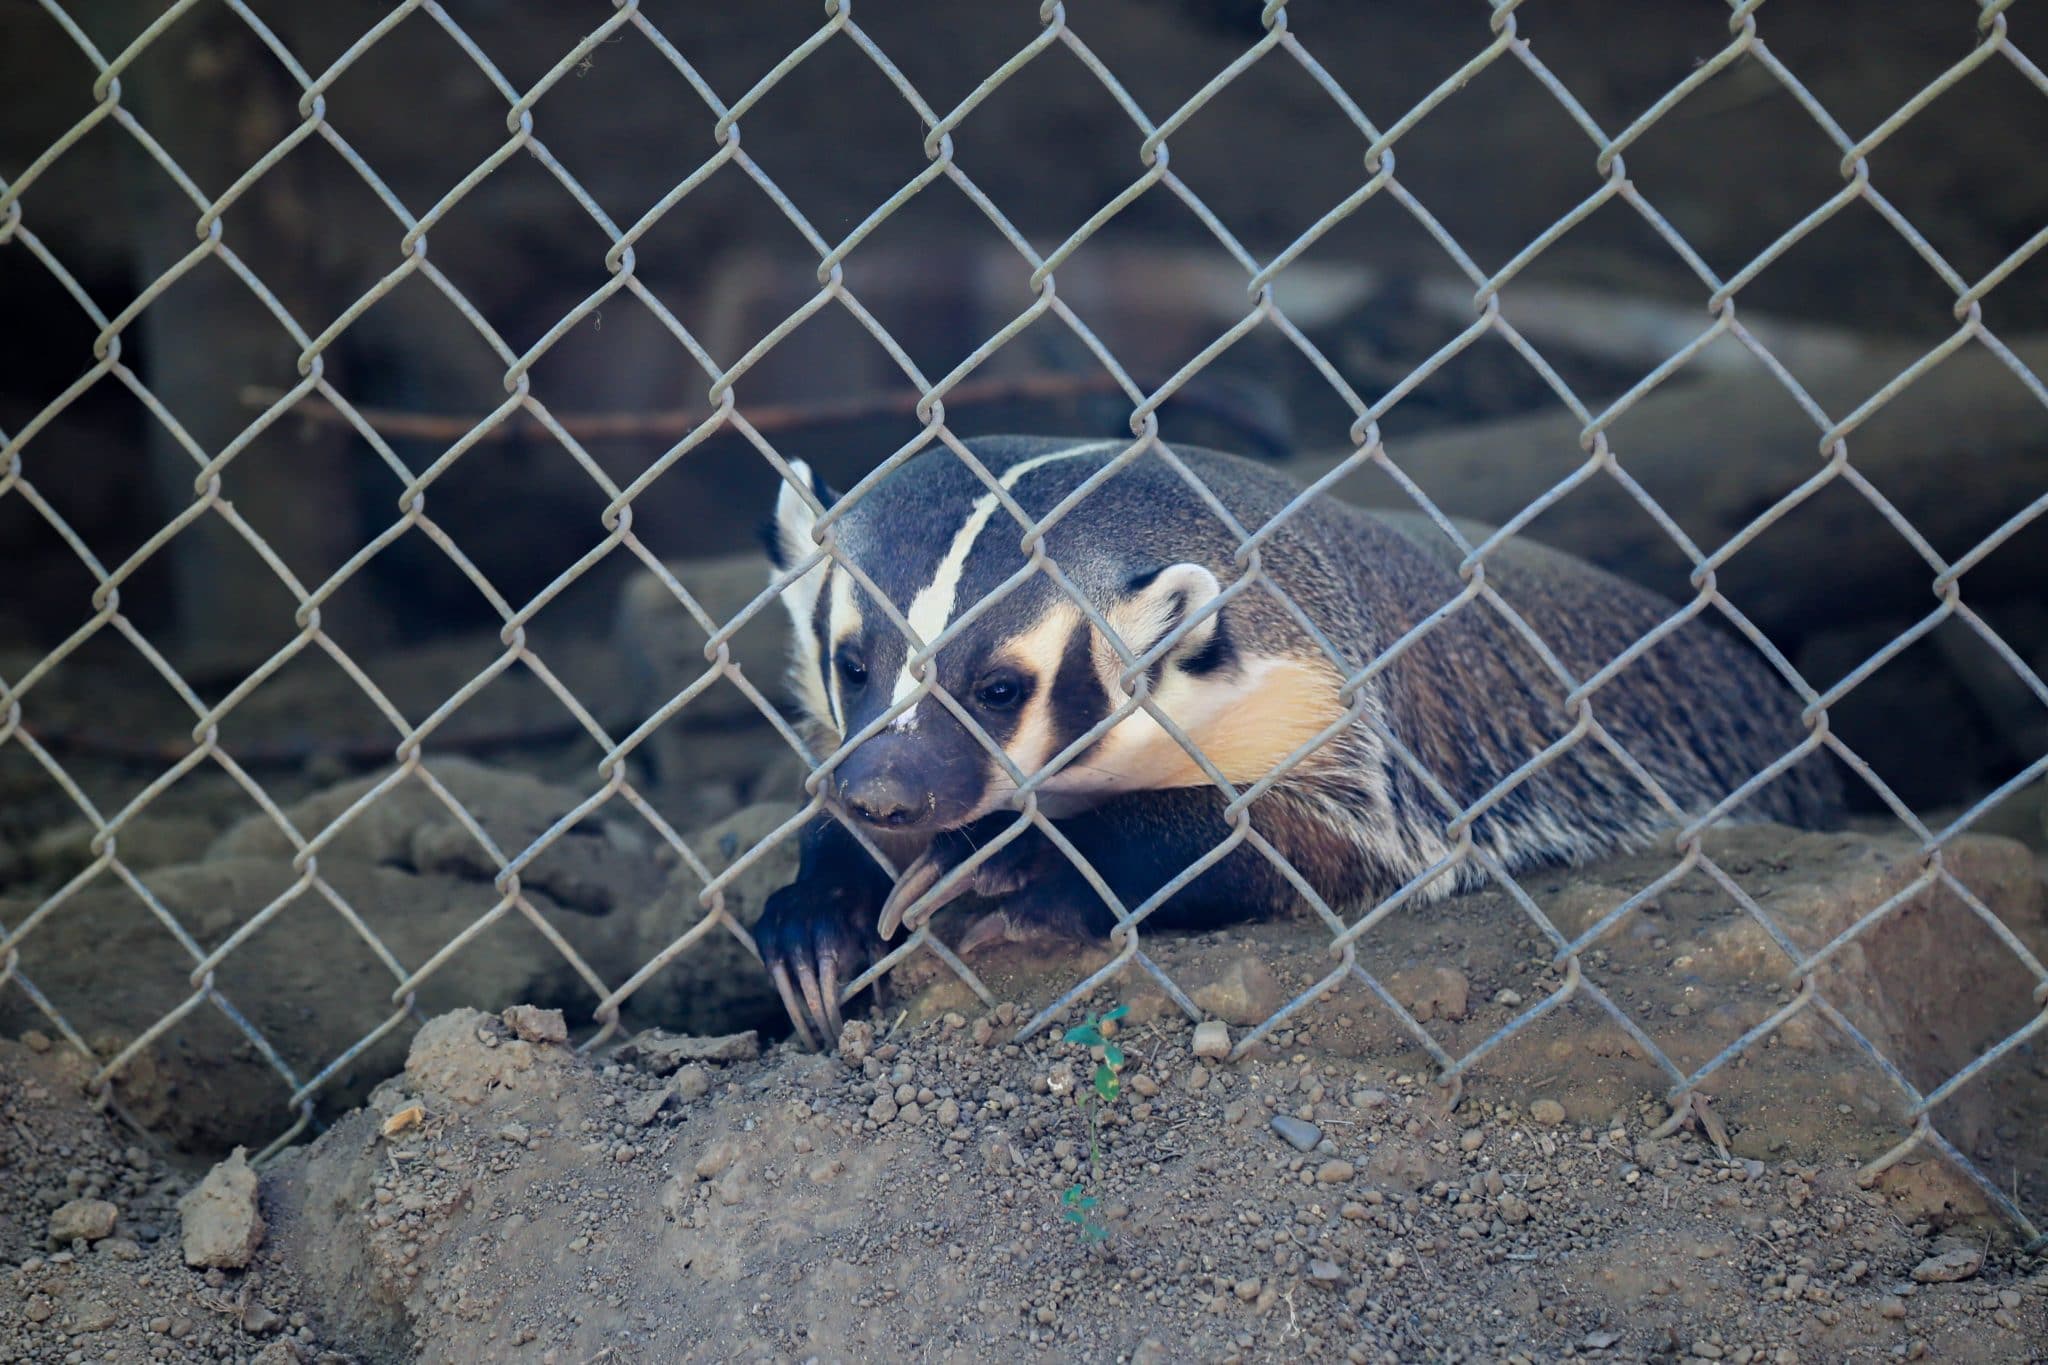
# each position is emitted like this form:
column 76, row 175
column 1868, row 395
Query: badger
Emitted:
column 1466, row 705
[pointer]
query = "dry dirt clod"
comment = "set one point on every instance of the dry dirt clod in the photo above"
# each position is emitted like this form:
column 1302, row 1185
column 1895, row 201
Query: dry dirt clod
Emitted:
column 222, row 1224
column 1212, row 1039
column 90, row 1219
column 537, row 1025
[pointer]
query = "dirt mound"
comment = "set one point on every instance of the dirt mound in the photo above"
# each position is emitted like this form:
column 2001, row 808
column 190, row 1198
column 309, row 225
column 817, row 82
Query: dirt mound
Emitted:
column 507, row 1199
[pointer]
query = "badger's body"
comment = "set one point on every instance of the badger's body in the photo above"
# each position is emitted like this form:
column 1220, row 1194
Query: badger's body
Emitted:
column 1470, row 700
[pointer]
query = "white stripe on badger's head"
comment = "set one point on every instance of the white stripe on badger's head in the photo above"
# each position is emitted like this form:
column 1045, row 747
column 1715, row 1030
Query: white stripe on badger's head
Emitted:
column 937, row 602
column 790, row 543
column 842, row 624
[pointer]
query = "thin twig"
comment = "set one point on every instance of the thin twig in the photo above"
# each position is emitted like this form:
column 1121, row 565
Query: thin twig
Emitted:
column 672, row 423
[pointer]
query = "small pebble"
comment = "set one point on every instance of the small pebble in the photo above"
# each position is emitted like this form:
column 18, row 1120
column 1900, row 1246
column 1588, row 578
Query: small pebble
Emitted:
column 1335, row 1172
column 1547, row 1112
column 1212, row 1039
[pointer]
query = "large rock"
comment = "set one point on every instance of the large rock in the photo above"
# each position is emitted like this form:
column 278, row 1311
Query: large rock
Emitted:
column 715, row 985
column 605, row 863
column 306, row 980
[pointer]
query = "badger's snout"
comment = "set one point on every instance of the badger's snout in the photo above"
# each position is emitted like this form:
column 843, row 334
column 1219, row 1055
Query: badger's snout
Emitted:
column 902, row 782
column 882, row 797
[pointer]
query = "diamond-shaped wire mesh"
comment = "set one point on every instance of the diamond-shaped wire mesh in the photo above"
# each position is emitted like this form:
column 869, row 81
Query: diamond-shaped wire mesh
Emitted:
column 1496, row 42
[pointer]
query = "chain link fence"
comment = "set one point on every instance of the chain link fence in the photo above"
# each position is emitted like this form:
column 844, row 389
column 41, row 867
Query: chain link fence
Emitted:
column 1497, row 38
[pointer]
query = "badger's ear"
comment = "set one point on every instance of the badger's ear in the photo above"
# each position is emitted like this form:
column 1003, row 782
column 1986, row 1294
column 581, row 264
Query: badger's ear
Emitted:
column 788, row 535
column 1156, row 605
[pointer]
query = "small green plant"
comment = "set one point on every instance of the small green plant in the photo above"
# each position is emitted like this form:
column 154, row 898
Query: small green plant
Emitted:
column 1092, row 1033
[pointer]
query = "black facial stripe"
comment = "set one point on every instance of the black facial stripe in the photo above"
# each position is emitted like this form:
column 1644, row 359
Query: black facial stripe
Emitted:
column 1212, row 656
column 1078, row 700
column 1001, row 725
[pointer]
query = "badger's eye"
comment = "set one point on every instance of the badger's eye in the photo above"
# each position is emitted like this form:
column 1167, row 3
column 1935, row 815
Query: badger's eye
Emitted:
column 852, row 672
column 999, row 693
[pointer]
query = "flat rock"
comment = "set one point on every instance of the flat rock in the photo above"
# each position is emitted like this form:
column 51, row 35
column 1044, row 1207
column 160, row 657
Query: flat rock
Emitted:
column 661, row 1052
column 223, row 1225
column 1212, row 1039
column 1956, row 1262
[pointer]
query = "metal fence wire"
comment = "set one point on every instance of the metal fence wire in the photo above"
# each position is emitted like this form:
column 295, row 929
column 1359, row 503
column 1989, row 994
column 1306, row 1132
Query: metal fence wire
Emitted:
column 1496, row 39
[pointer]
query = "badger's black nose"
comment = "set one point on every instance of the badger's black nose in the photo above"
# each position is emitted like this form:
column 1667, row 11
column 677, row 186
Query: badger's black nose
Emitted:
column 883, row 798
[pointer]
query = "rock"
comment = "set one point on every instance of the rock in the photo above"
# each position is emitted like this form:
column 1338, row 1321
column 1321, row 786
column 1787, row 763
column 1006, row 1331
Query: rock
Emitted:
column 1957, row 1261
column 1547, row 1112
column 90, row 1219
column 1335, row 1172
column 1299, row 1134
column 596, row 867
column 661, row 1052
column 691, row 1083
column 715, row 985
column 259, row 1321
column 1325, row 1272
column 222, row 1224
column 94, row 1316
column 283, row 1351
column 662, row 646
column 1432, row 992
column 1212, row 1039
column 1246, row 994
column 642, row 1109
column 537, row 1025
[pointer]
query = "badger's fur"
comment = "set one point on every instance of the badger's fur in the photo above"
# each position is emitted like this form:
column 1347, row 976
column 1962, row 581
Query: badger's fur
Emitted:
column 1250, row 683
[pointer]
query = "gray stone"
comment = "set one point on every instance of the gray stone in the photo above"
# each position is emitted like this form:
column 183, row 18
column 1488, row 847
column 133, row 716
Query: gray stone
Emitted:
column 1299, row 1133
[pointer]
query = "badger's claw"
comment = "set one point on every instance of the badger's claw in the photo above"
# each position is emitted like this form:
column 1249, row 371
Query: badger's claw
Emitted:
column 1009, row 869
column 813, row 937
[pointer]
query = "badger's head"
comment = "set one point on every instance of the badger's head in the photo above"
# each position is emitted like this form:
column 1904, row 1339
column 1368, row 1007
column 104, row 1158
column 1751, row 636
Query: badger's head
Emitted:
column 1029, row 669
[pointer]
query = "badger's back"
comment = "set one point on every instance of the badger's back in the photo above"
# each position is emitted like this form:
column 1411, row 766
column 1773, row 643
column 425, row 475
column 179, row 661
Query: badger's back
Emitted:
column 1700, row 712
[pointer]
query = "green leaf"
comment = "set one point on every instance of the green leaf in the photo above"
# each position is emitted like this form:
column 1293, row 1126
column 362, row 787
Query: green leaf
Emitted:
column 1074, row 1216
column 1119, row 1012
column 1073, row 1194
column 1113, row 1054
column 1107, row 1083
column 1086, row 1034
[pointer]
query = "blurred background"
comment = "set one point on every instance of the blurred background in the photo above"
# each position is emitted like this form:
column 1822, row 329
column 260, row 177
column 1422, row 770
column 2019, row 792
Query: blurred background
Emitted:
column 104, row 459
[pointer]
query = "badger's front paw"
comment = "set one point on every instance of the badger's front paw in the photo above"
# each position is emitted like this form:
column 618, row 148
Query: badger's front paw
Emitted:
column 814, row 935
column 1009, row 869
